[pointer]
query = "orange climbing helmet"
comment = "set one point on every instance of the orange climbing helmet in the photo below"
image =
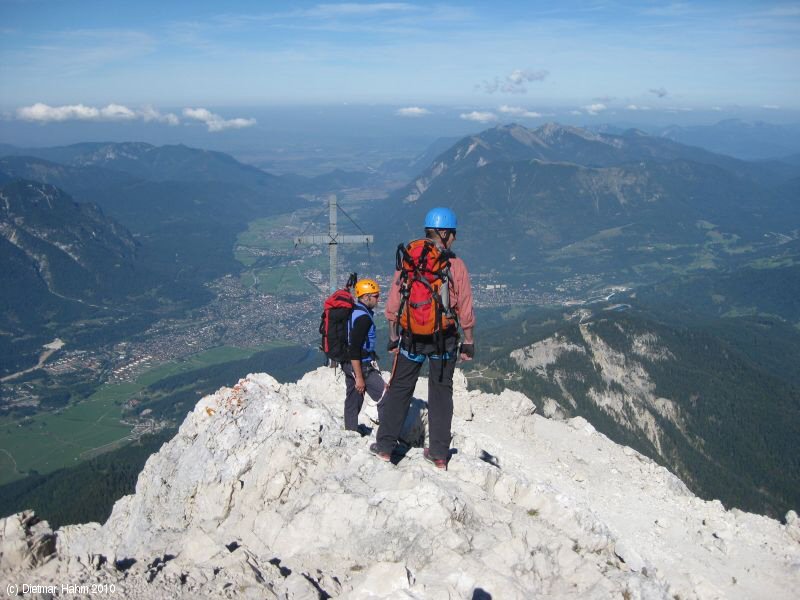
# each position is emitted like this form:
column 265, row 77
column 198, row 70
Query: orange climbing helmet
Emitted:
column 367, row 286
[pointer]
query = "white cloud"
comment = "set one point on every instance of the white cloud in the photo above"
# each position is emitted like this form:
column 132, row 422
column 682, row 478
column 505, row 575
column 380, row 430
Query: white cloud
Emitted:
column 44, row 113
column 148, row 113
column 117, row 112
column 771, row 106
column 480, row 117
column 575, row 112
column 412, row 111
column 637, row 107
column 514, row 83
column 518, row 111
column 594, row 109
column 215, row 122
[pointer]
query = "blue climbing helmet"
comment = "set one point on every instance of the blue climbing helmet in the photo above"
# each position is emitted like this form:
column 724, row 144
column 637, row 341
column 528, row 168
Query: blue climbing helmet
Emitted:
column 441, row 218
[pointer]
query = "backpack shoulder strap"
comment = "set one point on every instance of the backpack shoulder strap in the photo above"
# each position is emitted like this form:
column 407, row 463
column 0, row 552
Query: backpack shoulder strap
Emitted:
column 359, row 310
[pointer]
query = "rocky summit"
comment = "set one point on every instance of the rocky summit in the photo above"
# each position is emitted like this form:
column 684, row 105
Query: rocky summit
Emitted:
column 262, row 494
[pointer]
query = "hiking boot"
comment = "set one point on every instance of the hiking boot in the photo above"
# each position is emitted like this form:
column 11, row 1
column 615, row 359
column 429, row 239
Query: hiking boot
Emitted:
column 364, row 430
column 384, row 456
column 439, row 463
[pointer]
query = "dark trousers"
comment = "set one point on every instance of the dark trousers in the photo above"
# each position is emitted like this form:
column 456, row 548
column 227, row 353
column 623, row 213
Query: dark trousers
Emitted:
column 353, row 401
column 440, row 399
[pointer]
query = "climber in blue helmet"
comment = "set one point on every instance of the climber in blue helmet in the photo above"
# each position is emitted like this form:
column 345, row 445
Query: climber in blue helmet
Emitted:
column 429, row 300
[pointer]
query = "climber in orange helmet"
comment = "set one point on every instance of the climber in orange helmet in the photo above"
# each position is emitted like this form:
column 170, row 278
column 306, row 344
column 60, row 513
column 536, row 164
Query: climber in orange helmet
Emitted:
column 362, row 374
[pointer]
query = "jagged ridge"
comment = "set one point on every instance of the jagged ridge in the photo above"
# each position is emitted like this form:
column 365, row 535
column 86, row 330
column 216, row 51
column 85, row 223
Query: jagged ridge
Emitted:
column 261, row 493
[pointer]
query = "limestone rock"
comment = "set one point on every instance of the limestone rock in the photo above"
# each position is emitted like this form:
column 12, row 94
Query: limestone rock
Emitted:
column 582, row 425
column 25, row 542
column 262, row 494
column 552, row 410
column 793, row 525
column 630, row 556
column 381, row 580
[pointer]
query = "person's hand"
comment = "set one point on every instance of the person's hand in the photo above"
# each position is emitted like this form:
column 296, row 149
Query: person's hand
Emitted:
column 393, row 346
column 467, row 351
column 361, row 386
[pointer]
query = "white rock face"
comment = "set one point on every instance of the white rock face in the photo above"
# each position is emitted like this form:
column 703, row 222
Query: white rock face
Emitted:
column 262, row 494
column 629, row 397
column 540, row 355
column 423, row 183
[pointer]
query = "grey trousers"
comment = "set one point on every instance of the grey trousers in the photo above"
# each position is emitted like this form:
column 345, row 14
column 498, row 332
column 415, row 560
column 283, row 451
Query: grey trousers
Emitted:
column 353, row 400
column 440, row 398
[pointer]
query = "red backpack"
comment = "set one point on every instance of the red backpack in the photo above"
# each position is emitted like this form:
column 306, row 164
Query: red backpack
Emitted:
column 334, row 323
column 424, row 291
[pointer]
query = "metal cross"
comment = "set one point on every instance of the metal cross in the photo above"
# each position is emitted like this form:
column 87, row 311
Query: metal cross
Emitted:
column 333, row 239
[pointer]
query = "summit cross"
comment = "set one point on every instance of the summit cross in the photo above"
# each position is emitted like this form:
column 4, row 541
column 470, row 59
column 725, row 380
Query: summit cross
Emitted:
column 333, row 239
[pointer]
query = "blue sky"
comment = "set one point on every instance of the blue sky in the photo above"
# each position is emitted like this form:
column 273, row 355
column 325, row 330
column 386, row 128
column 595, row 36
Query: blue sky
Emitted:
column 167, row 62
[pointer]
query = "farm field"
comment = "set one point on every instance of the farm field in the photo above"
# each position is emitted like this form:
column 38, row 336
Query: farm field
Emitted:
column 275, row 265
column 50, row 441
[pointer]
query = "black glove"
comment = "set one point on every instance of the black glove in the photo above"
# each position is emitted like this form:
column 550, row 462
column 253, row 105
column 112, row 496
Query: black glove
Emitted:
column 392, row 344
column 468, row 350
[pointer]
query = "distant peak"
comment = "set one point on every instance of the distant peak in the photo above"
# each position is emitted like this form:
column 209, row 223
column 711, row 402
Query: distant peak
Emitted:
column 550, row 128
column 551, row 131
column 512, row 127
column 523, row 134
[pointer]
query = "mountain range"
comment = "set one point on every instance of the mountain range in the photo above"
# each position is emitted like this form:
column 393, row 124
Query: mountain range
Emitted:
column 63, row 262
column 560, row 199
column 153, row 163
column 68, row 247
column 180, row 209
column 558, row 143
